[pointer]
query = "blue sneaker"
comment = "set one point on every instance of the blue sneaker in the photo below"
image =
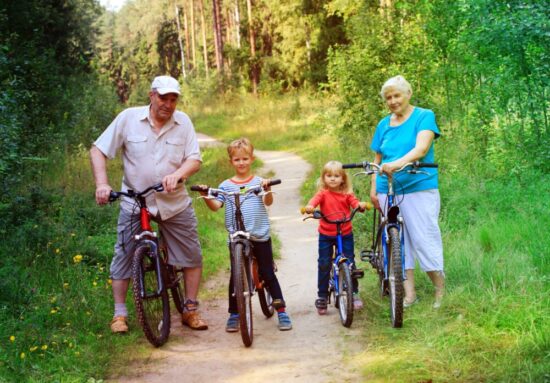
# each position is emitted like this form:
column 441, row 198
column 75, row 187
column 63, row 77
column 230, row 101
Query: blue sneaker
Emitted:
column 284, row 322
column 232, row 324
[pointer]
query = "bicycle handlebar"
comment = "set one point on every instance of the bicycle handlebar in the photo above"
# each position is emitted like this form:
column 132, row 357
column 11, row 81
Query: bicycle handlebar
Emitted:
column 371, row 167
column 214, row 192
column 113, row 196
column 318, row 215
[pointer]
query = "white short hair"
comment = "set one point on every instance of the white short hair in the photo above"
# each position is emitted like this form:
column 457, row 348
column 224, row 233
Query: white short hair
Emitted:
column 397, row 82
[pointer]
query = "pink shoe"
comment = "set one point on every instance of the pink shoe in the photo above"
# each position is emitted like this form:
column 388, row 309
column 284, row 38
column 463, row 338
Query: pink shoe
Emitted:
column 357, row 302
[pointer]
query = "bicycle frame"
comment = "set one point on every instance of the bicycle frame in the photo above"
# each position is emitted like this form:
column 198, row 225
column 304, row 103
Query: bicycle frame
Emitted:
column 392, row 218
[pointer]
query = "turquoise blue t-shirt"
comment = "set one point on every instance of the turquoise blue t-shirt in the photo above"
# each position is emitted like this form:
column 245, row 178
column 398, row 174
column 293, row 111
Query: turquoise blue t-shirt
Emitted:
column 394, row 142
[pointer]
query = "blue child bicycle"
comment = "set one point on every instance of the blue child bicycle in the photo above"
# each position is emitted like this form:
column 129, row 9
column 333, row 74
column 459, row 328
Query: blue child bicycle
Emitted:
column 343, row 271
column 387, row 252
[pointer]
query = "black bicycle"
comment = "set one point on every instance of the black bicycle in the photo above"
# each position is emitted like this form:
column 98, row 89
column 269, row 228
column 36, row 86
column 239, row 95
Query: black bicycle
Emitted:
column 152, row 276
column 244, row 269
column 386, row 254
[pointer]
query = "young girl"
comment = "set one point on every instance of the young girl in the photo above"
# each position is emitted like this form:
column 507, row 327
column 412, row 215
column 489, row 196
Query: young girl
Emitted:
column 335, row 195
column 256, row 220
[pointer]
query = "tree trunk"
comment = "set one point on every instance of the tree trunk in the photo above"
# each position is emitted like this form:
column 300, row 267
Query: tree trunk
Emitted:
column 193, row 34
column 254, row 69
column 237, row 24
column 203, row 32
column 186, row 31
column 184, row 74
column 218, row 34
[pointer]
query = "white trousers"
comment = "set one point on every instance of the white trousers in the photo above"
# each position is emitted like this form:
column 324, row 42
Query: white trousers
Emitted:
column 420, row 211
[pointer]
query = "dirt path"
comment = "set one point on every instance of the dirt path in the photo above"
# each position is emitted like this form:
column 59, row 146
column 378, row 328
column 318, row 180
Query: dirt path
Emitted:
column 313, row 351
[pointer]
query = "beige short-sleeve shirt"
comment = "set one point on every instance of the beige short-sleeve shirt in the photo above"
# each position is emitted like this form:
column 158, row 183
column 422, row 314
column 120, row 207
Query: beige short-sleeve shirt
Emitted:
column 148, row 157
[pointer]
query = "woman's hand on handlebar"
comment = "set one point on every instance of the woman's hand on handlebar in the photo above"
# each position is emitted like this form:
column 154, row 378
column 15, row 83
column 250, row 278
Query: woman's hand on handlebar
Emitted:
column 391, row 167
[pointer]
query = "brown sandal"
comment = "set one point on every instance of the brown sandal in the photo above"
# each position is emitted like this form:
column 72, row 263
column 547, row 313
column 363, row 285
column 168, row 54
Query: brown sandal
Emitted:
column 118, row 325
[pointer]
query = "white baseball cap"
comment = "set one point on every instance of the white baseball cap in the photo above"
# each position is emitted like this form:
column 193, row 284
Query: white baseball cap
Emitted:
column 165, row 84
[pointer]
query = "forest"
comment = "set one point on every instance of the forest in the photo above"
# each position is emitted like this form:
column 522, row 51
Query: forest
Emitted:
column 67, row 67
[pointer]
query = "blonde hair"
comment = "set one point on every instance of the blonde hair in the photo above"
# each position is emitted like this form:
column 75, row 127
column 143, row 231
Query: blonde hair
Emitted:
column 397, row 82
column 335, row 167
column 240, row 144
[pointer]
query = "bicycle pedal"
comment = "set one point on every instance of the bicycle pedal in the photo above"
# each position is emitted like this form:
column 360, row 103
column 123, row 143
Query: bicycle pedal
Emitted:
column 357, row 274
column 367, row 255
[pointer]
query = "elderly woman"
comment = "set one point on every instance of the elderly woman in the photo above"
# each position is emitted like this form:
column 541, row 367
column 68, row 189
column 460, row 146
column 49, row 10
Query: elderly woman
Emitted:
column 407, row 135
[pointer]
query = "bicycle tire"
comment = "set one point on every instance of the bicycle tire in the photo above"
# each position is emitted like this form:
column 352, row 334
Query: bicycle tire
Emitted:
column 176, row 288
column 153, row 309
column 345, row 294
column 395, row 277
column 243, row 294
column 382, row 281
column 265, row 302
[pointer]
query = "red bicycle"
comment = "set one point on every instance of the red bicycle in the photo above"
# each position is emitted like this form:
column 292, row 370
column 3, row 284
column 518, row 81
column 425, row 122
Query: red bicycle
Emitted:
column 152, row 276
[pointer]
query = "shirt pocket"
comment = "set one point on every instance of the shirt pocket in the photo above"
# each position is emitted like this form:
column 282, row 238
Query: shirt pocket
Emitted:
column 136, row 145
column 175, row 149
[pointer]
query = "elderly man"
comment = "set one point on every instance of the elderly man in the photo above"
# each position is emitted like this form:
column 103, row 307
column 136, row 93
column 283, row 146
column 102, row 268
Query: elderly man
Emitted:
column 158, row 144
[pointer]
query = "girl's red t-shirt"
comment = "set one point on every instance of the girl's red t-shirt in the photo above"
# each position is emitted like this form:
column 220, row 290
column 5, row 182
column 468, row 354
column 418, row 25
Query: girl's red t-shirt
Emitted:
column 335, row 206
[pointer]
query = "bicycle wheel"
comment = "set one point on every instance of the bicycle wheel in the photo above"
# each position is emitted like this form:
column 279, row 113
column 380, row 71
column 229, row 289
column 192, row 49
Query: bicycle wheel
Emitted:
column 152, row 307
column 176, row 287
column 395, row 276
column 379, row 262
column 241, row 274
column 345, row 294
column 263, row 294
column 265, row 302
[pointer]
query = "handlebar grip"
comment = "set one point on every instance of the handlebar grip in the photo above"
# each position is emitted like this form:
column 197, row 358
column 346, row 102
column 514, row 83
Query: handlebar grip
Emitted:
column 274, row 182
column 351, row 166
column 198, row 188
column 418, row 164
column 113, row 196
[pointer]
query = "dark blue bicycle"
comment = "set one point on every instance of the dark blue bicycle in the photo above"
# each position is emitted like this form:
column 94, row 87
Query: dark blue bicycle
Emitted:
column 342, row 271
column 387, row 254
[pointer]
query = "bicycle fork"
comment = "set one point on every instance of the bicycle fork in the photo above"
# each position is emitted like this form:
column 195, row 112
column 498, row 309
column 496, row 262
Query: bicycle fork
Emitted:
column 158, row 267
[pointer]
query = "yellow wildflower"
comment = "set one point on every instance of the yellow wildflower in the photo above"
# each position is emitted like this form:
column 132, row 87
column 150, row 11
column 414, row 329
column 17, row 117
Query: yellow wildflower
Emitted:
column 44, row 347
column 53, row 311
column 110, row 281
column 65, row 285
column 33, row 348
column 22, row 356
column 77, row 258
column 12, row 338
column 73, row 234
column 94, row 283
column 57, row 251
